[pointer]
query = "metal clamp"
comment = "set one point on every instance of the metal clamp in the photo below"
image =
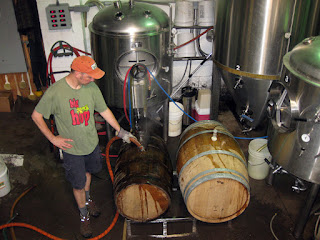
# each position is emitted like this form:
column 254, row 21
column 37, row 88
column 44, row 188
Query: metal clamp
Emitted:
column 298, row 186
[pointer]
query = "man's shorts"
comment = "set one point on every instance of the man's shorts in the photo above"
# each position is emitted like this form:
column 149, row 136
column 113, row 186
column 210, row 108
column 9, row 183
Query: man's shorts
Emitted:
column 76, row 166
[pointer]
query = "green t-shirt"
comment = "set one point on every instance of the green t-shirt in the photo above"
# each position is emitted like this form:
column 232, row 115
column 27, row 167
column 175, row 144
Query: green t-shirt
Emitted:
column 73, row 111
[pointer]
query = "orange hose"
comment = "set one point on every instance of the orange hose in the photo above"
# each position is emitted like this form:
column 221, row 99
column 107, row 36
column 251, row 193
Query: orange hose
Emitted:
column 13, row 236
column 108, row 159
column 25, row 225
column 136, row 142
column 115, row 219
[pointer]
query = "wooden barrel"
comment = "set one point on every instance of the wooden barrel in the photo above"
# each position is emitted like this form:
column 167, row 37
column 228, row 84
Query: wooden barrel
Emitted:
column 143, row 181
column 213, row 176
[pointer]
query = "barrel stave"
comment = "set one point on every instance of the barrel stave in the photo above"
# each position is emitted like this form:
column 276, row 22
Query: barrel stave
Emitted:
column 213, row 175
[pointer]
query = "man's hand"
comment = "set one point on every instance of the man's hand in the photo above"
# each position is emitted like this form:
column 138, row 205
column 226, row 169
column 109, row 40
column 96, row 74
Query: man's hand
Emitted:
column 125, row 135
column 61, row 142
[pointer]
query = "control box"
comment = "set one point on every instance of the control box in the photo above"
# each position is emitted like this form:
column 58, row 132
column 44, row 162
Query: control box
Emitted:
column 58, row 16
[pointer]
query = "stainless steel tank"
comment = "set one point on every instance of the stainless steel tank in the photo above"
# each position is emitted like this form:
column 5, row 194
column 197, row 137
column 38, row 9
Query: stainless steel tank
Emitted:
column 127, row 34
column 251, row 39
column 294, row 109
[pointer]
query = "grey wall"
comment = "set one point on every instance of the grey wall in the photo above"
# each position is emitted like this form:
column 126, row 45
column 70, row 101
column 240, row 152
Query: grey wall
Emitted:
column 11, row 53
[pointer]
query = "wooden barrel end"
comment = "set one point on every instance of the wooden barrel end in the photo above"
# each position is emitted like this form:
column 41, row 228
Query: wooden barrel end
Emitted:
column 218, row 200
column 142, row 202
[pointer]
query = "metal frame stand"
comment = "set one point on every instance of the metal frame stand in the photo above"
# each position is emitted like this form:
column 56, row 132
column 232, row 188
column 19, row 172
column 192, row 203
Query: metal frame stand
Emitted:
column 215, row 92
column 164, row 222
column 165, row 120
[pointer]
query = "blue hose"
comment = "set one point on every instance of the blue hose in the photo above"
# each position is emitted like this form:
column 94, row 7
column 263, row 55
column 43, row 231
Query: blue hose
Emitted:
column 170, row 97
column 242, row 138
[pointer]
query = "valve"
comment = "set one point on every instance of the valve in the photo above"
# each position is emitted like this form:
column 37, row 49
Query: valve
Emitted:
column 239, row 82
column 298, row 186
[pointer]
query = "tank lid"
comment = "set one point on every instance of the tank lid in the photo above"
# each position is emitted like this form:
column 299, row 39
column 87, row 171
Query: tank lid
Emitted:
column 304, row 60
column 127, row 19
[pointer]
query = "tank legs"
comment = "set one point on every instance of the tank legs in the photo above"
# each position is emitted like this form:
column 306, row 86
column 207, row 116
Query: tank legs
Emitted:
column 165, row 120
column 305, row 211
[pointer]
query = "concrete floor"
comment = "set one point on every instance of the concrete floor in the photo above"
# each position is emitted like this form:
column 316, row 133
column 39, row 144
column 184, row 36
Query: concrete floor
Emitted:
column 50, row 205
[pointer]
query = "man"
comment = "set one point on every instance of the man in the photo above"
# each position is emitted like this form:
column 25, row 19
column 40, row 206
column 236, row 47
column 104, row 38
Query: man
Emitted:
column 73, row 100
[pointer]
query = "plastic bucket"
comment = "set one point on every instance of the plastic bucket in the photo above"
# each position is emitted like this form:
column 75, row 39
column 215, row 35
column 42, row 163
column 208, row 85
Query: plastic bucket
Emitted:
column 257, row 167
column 184, row 13
column 206, row 13
column 187, row 50
column 175, row 119
column 4, row 180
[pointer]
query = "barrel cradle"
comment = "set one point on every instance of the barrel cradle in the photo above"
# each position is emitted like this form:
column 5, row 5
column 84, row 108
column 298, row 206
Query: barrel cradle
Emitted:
column 212, row 169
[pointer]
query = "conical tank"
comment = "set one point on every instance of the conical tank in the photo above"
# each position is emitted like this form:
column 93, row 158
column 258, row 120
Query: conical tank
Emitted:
column 251, row 39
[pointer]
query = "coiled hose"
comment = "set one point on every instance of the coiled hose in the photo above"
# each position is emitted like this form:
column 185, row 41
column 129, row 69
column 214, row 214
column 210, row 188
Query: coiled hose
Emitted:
column 25, row 225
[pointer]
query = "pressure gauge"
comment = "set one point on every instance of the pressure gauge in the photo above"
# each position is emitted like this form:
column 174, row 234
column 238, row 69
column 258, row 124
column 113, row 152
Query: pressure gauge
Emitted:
column 305, row 137
column 131, row 58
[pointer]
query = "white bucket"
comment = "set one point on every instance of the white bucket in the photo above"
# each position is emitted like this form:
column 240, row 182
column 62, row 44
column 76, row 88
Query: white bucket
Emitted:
column 184, row 13
column 206, row 13
column 187, row 50
column 257, row 167
column 4, row 180
column 175, row 119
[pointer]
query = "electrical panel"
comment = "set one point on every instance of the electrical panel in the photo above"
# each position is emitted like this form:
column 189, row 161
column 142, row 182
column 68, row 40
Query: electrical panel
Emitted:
column 58, row 16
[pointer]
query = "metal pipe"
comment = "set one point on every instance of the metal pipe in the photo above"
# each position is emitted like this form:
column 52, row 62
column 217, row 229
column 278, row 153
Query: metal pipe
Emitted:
column 117, row 4
column 305, row 211
column 131, row 3
column 165, row 120
column 215, row 93
column 270, row 178
column 200, row 65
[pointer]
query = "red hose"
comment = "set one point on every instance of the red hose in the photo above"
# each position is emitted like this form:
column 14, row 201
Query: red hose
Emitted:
column 49, row 64
column 124, row 94
column 193, row 39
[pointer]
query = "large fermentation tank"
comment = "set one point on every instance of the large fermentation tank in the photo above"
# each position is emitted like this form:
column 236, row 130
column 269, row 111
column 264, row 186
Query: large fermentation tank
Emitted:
column 126, row 34
column 251, row 39
column 294, row 109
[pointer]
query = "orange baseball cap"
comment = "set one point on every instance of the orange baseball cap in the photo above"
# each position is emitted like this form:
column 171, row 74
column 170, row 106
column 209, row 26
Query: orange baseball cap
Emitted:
column 87, row 65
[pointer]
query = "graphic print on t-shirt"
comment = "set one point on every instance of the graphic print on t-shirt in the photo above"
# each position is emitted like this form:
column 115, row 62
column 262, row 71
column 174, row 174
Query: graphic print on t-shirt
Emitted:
column 82, row 114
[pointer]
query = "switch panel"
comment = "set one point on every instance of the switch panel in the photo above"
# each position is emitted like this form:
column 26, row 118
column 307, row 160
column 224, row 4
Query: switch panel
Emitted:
column 58, row 16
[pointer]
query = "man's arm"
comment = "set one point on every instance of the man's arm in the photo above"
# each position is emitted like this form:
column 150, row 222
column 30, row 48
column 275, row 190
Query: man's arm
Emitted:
column 109, row 117
column 55, row 140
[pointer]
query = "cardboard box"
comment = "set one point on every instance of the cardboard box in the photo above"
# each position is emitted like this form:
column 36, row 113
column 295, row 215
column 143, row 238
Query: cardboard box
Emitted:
column 6, row 101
